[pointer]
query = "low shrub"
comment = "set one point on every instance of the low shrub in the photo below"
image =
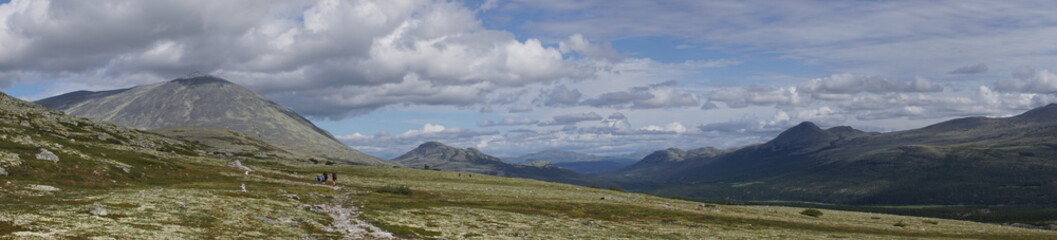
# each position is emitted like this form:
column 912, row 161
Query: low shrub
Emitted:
column 402, row 190
column 812, row 212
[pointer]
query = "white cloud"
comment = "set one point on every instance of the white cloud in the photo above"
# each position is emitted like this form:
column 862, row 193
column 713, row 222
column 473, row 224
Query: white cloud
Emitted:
column 506, row 122
column 659, row 95
column 757, row 95
column 1029, row 80
column 715, row 63
column 846, row 83
column 558, row 96
column 897, row 38
column 389, row 146
column 675, row 127
column 520, row 108
column 304, row 54
column 569, row 119
column 577, row 43
column 972, row 69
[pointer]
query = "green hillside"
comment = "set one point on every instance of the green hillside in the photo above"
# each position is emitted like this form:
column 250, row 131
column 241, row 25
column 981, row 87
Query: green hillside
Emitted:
column 101, row 181
column 969, row 161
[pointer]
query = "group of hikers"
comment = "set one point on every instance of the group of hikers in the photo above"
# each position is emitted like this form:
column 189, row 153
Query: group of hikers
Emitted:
column 323, row 179
column 333, row 178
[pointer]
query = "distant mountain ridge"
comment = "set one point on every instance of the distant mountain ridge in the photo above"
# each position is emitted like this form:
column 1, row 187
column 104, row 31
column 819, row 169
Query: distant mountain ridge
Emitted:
column 579, row 162
column 555, row 156
column 973, row 160
column 562, row 156
column 203, row 100
column 437, row 155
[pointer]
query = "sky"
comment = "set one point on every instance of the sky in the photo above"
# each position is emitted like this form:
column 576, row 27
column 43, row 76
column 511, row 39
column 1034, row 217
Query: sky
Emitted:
column 515, row 77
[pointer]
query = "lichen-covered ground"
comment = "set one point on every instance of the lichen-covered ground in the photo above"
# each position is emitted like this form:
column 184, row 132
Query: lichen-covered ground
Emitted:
column 444, row 205
column 70, row 178
column 282, row 203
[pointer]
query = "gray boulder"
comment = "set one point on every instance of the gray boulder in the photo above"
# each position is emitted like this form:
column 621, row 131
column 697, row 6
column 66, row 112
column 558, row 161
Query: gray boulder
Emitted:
column 47, row 155
column 99, row 210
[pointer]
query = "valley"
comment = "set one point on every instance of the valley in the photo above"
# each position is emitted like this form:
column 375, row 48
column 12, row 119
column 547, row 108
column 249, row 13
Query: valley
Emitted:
column 113, row 182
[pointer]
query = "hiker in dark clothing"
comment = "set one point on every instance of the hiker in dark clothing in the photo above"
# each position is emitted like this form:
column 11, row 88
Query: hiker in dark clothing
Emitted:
column 324, row 177
column 334, row 178
column 319, row 179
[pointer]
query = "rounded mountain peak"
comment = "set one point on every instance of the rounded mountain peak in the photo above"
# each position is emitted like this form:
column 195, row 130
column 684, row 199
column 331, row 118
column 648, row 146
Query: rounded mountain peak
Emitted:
column 802, row 135
column 196, row 79
column 432, row 144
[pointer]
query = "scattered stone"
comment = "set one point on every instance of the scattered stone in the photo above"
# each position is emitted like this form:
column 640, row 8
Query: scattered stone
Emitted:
column 607, row 198
column 293, row 196
column 243, row 187
column 706, row 205
column 590, row 223
column 265, row 220
column 10, row 159
column 3, row 171
column 520, row 234
column 43, row 188
column 99, row 210
column 313, row 208
column 101, row 137
column 288, row 221
column 238, row 164
column 125, row 169
column 47, row 155
column 182, row 206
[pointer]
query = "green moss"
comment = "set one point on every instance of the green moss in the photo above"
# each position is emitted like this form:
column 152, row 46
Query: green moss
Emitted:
column 406, row 231
column 8, row 228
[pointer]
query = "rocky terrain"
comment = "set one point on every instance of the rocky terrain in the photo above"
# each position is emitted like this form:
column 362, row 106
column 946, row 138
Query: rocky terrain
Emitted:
column 200, row 100
column 71, row 178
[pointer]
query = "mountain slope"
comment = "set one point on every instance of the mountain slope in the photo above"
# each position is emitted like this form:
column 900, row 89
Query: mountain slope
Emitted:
column 202, row 100
column 963, row 161
column 579, row 162
column 436, row 155
column 110, row 182
column 555, row 156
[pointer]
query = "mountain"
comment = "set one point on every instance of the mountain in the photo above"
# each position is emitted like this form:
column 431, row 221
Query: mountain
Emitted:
column 657, row 166
column 225, row 143
column 203, row 100
column 436, row 155
column 66, row 177
column 975, row 160
column 555, row 156
column 579, row 162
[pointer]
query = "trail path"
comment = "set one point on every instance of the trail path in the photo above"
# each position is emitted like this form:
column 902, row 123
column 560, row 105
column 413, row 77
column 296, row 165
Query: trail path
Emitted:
column 347, row 221
column 342, row 210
